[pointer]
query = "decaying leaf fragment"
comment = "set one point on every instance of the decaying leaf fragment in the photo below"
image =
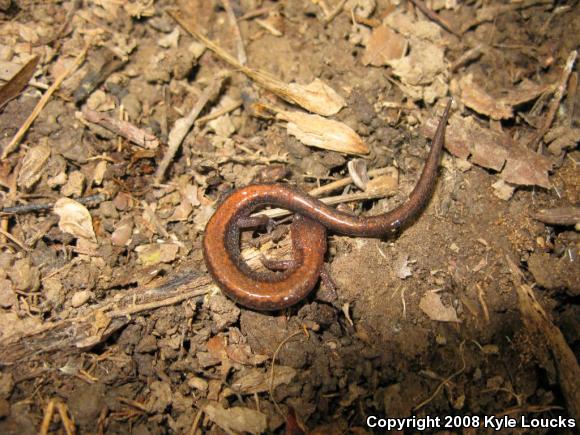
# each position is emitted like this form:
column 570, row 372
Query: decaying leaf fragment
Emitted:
column 75, row 219
column 476, row 98
column 431, row 305
column 236, row 419
column 384, row 45
column 155, row 253
column 18, row 82
column 32, row 166
column 494, row 150
column 314, row 130
column 255, row 380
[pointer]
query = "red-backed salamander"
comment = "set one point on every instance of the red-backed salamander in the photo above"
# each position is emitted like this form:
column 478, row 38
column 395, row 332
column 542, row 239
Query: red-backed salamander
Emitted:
column 275, row 291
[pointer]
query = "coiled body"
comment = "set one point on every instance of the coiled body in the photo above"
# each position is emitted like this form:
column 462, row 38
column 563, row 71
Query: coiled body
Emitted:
column 221, row 243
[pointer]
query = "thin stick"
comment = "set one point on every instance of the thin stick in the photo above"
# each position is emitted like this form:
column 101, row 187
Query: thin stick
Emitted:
column 335, row 185
column 122, row 128
column 196, row 421
column 445, row 381
column 157, row 304
column 333, row 200
column 183, row 125
column 27, row 208
column 242, row 58
column 482, row 303
column 271, row 386
column 536, row 140
column 48, row 413
column 44, row 100
column 337, row 10
column 14, row 239
column 68, row 424
column 217, row 113
column 435, row 17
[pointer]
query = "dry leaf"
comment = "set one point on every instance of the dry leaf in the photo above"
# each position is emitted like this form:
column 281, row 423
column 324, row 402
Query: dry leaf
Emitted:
column 155, row 253
column 503, row 190
column 181, row 212
column 74, row 185
column 32, row 166
column 258, row 381
column 476, row 98
column 384, row 45
column 75, row 219
column 242, row 354
column 315, row 97
column 314, row 130
column 18, row 82
column 561, row 138
column 99, row 173
column 189, row 193
column 236, row 419
column 494, row 150
column 524, row 92
column 139, row 8
column 528, row 169
column 432, row 306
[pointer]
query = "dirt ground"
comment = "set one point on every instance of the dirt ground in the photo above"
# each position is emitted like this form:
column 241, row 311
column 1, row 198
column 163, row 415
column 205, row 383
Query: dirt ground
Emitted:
column 121, row 129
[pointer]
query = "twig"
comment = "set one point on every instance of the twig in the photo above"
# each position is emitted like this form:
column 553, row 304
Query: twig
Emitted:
column 123, row 128
column 196, row 421
column 536, row 140
column 48, row 413
column 468, row 56
column 28, row 208
column 242, row 58
column 78, row 333
column 255, row 13
column 217, row 113
column 445, row 381
column 157, row 304
column 482, row 303
column 183, row 125
column 14, row 239
column 333, row 200
column 68, row 424
column 271, row 386
column 337, row 10
column 435, row 17
column 43, row 101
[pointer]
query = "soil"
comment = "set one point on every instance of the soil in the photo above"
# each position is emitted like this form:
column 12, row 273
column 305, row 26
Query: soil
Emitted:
column 109, row 321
